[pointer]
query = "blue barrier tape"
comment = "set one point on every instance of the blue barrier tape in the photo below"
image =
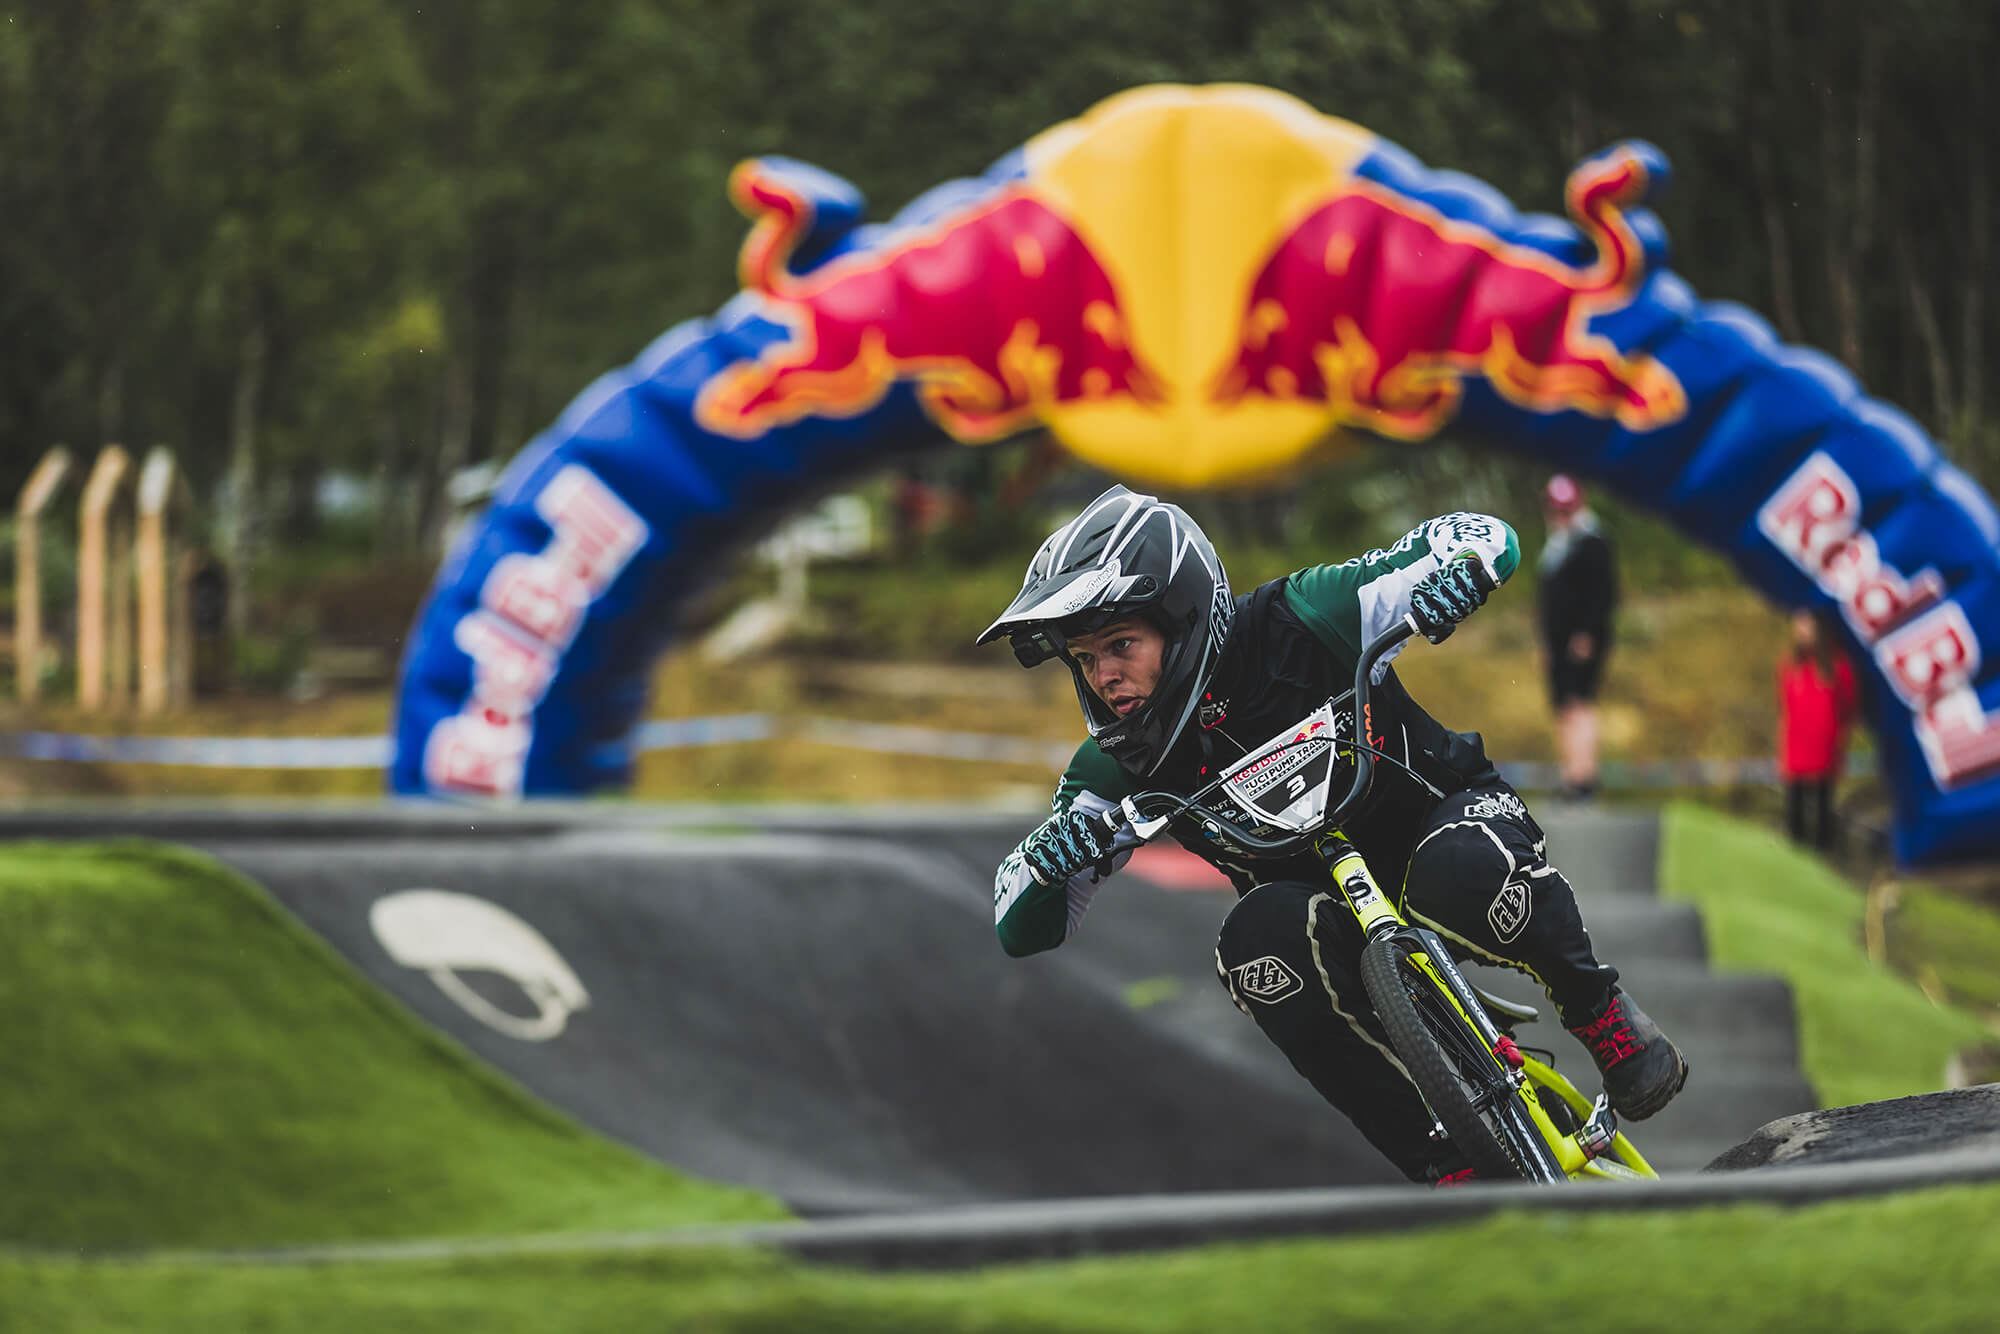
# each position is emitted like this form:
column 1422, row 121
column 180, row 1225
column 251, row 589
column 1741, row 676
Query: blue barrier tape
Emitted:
column 248, row 752
column 373, row 752
column 1672, row 773
column 719, row 730
column 897, row 740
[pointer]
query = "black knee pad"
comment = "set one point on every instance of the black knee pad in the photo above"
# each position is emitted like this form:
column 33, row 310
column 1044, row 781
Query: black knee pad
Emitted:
column 1284, row 938
column 1263, row 950
column 1269, row 916
column 1287, row 955
column 1479, row 876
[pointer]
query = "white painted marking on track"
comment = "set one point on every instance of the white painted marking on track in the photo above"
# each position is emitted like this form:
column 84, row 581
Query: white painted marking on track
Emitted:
column 441, row 934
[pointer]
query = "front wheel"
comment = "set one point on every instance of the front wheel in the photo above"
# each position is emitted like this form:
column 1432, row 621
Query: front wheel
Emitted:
column 1469, row 1089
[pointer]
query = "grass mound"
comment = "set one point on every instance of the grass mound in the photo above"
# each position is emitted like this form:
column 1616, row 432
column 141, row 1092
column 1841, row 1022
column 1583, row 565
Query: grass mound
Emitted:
column 1941, row 935
column 1921, row 1261
column 198, row 1070
column 1865, row 1034
column 187, row 1066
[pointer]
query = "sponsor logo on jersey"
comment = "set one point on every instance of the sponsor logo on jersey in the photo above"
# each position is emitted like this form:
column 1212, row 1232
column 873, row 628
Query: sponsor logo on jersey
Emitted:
column 1464, row 527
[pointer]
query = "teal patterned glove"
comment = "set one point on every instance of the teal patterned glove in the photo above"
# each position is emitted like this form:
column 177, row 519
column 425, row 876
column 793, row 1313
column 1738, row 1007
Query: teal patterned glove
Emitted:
column 1447, row 596
column 1066, row 844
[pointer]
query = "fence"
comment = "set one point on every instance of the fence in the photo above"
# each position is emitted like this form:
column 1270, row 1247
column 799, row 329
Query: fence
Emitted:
column 134, row 566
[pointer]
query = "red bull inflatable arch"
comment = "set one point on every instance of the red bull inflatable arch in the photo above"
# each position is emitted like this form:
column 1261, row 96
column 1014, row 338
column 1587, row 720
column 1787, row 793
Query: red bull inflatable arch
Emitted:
column 1190, row 286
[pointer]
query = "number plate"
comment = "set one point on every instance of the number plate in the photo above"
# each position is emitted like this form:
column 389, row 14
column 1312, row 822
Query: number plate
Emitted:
column 1285, row 782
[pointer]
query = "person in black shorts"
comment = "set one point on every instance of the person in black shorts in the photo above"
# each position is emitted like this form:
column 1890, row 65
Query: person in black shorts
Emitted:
column 1579, row 591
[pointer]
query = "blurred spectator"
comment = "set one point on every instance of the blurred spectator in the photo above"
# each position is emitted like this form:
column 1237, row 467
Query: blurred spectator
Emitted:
column 922, row 508
column 1579, row 589
column 1040, row 461
column 1816, row 705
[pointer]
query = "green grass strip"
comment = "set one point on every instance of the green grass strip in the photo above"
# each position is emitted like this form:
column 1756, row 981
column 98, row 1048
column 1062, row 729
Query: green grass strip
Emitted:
column 1865, row 1034
column 189, row 1066
column 1957, row 940
column 1921, row 1263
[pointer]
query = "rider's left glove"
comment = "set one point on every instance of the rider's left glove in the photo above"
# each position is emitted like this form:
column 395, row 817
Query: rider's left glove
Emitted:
column 1446, row 596
column 1067, row 843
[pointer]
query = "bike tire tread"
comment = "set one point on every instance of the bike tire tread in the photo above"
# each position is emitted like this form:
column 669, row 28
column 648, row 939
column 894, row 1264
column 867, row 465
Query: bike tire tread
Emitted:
column 1429, row 1065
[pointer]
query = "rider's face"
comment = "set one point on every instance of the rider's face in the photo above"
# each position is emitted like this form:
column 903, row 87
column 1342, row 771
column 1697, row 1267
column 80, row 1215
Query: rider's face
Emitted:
column 1120, row 663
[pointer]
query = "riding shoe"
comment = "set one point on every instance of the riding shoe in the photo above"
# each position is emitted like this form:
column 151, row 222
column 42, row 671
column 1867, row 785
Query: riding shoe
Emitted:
column 1641, row 1069
column 1452, row 1170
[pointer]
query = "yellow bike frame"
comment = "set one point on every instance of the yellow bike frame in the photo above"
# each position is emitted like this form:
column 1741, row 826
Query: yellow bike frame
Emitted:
column 1597, row 1148
column 1623, row 1162
column 1377, row 914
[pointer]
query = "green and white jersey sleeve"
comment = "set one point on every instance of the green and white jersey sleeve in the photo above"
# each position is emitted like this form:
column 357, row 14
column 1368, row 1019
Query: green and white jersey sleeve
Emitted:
column 1032, row 917
column 1348, row 604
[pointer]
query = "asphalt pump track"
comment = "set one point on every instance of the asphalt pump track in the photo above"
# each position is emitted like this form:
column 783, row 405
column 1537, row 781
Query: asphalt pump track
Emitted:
column 812, row 1003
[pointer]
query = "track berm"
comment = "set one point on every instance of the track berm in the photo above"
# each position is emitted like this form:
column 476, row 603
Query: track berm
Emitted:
column 810, row 1002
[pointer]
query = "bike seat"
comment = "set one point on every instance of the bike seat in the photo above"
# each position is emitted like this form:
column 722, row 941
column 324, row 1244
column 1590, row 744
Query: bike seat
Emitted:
column 1505, row 1012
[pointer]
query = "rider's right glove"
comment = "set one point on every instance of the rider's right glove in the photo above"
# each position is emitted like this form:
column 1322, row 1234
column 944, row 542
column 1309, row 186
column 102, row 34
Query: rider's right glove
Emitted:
column 1067, row 843
column 1446, row 596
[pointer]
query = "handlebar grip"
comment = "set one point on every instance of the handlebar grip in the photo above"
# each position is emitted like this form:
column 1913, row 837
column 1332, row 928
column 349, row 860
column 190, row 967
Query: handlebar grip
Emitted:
column 1482, row 578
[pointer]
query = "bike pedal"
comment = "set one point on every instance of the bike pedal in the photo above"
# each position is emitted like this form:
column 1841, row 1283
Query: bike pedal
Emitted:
column 1596, row 1135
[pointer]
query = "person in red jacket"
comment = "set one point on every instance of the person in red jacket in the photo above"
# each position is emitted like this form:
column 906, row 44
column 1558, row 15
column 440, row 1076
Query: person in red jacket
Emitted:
column 1816, row 704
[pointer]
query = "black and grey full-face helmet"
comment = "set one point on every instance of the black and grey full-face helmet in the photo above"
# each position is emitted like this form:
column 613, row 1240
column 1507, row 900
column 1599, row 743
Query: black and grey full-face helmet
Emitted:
column 1125, row 555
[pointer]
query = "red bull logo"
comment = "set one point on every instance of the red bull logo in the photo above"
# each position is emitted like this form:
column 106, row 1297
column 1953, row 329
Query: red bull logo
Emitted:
column 1922, row 641
column 529, row 609
column 996, row 312
column 1382, row 307
column 1192, row 336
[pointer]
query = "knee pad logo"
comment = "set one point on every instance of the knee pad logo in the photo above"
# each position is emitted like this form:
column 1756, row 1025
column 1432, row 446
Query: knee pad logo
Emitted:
column 1498, row 806
column 1269, row 979
column 1510, row 909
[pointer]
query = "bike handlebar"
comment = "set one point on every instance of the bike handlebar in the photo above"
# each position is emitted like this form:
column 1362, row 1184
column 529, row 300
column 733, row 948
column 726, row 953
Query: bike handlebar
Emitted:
column 1149, row 812
column 1364, row 738
column 1154, row 809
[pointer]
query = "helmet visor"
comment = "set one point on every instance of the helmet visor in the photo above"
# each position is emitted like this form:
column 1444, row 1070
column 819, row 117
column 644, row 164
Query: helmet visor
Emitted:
column 1075, row 601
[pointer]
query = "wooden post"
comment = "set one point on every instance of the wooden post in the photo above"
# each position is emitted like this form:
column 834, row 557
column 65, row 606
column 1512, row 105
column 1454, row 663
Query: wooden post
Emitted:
column 28, row 506
column 120, row 623
column 103, row 600
column 165, row 632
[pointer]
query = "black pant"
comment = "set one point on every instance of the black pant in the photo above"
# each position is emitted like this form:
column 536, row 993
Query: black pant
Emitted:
column 1809, row 811
column 1289, row 953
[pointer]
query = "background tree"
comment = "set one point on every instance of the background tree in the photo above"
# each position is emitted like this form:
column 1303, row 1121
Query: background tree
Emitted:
column 354, row 235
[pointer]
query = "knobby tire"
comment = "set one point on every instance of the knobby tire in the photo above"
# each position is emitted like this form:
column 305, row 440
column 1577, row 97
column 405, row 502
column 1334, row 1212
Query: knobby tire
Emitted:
column 1450, row 1066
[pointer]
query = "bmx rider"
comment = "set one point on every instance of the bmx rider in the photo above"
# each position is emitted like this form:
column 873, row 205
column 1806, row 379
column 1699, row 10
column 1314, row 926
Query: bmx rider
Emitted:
column 1178, row 679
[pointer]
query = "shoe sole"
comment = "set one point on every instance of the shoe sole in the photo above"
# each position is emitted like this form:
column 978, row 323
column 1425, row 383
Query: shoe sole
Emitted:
column 1659, row 1101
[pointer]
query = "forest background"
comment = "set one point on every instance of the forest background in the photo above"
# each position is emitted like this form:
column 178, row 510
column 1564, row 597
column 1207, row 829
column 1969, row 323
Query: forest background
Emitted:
column 306, row 241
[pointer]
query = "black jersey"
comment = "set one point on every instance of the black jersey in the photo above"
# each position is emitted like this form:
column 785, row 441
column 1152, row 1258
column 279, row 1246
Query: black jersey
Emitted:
column 1294, row 645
